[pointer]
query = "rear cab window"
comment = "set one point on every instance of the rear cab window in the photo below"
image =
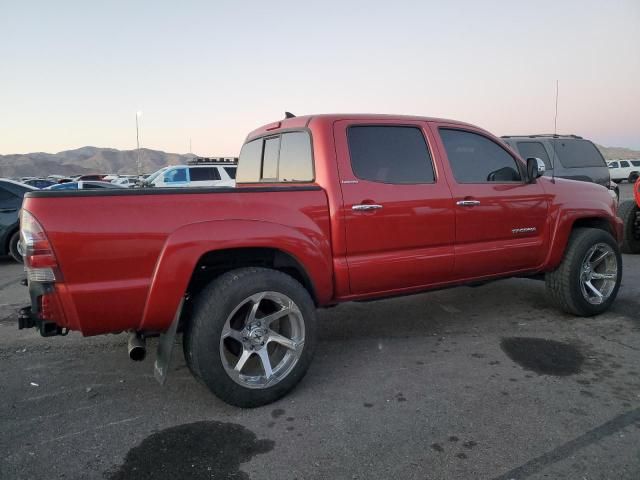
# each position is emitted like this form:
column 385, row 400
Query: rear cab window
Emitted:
column 280, row 158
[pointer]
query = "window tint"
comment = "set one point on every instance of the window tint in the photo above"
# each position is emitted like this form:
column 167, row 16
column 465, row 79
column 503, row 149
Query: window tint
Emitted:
column 90, row 185
column 635, row 163
column 390, row 154
column 270, row 158
column 283, row 158
column 203, row 174
column 296, row 163
column 575, row 153
column 177, row 175
column 476, row 159
column 249, row 162
column 5, row 195
column 534, row 150
column 624, row 164
column 613, row 165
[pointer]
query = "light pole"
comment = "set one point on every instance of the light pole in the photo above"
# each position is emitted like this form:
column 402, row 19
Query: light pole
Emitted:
column 138, row 115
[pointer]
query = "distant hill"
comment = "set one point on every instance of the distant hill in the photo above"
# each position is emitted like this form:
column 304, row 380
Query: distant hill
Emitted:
column 618, row 153
column 87, row 160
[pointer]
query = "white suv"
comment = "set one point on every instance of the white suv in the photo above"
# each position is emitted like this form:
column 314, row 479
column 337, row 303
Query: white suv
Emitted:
column 624, row 170
column 202, row 175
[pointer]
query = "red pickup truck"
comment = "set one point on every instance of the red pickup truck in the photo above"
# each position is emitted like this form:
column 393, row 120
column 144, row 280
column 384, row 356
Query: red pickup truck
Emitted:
column 327, row 209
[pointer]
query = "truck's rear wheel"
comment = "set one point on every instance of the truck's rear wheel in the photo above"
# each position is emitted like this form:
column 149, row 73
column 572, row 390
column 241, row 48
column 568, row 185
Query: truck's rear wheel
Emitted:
column 587, row 281
column 252, row 336
column 629, row 213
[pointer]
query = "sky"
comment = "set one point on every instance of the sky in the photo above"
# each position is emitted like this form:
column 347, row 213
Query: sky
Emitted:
column 74, row 73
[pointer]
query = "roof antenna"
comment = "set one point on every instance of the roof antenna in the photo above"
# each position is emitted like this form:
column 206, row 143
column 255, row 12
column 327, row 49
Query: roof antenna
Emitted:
column 289, row 115
column 553, row 140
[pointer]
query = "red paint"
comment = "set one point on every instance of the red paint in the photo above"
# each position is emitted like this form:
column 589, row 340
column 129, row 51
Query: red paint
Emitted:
column 128, row 267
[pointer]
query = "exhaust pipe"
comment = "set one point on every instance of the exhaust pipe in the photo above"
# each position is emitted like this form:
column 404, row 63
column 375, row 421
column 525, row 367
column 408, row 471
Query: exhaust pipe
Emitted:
column 137, row 347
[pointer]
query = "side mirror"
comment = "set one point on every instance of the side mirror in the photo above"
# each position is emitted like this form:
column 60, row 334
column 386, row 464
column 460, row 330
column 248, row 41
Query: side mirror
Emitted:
column 535, row 168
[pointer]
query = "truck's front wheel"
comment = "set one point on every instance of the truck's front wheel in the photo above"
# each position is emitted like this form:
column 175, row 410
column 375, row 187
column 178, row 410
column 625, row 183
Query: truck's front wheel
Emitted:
column 587, row 281
column 252, row 336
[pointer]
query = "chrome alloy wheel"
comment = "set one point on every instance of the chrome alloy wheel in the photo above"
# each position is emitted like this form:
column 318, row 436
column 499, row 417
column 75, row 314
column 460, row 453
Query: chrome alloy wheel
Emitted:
column 599, row 273
column 262, row 340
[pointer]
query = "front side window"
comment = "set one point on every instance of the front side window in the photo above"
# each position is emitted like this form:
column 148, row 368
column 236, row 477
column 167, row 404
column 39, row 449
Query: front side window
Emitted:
column 285, row 157
column 476, row 159
column 613, row 165
column 390, row 154
column 534, row 150
column 176, row 175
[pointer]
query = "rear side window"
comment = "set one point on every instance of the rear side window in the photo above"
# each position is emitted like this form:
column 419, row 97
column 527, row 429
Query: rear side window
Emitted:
column 624, row 164
column 635, row 163
column 576, row 153
column 231, row 171
column 203, row 174
column 534, row 150
column 390, row 154
column 613, row 165
column 281, row 158
column 476, row 159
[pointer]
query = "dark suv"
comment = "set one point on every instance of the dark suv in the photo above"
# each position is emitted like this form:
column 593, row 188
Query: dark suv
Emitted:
column 565, row 156
column 11, row 194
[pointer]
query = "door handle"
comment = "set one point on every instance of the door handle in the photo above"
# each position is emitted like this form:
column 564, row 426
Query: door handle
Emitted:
column 468, row 203
column 366, row 206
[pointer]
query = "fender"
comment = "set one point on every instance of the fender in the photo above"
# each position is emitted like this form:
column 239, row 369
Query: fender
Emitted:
column 564, row 216
column 185, row 246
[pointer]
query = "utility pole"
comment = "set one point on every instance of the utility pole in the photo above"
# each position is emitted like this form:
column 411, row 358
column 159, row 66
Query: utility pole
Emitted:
column 138, row 166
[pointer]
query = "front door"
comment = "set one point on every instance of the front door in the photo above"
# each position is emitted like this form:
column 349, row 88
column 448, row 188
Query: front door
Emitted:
column 397, row 206
column 500, row 218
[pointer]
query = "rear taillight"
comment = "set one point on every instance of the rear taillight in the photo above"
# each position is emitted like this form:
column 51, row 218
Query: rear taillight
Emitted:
column 39, row 260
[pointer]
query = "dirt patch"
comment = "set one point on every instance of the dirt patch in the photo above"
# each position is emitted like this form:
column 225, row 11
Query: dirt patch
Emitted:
column 545, row 357
column 192, row 451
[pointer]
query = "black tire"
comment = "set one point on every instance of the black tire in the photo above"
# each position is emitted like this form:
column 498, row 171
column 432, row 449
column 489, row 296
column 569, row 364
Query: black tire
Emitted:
column 628, row 213
column 212, row 308
column 563, row 285
column 633, row 176
column 13, row 247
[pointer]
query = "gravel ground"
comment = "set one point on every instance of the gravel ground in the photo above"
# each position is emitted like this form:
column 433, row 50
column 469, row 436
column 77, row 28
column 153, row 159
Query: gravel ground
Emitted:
column 487, row 382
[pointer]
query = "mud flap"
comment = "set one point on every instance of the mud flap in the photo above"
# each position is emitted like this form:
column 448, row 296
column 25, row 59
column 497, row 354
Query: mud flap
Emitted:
column 165, row 348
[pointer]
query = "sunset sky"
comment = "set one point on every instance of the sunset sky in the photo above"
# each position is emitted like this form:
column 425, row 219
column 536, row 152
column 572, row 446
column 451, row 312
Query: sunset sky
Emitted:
column 75, row 73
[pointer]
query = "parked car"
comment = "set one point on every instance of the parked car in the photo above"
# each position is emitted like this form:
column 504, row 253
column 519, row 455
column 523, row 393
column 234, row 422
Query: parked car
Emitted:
column 565, row 156
column 39, row 182
column 221, row 174
column 329, row 209
column 82, row 185
column 126, row 181
column 11, row 194
column 629, row 212
column 624, row 170
column 91, row 178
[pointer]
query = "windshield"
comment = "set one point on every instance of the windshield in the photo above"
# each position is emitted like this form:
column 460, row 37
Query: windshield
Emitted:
column 155, row 175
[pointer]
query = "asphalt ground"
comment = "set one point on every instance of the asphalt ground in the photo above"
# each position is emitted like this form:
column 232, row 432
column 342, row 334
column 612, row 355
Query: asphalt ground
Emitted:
column 468, row 383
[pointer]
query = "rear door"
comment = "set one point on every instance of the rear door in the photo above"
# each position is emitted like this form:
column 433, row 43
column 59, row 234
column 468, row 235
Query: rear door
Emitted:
column 500, row 219
column 397, row 206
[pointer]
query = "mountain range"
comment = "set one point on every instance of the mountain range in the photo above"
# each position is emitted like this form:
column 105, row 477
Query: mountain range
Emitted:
column 87, row 160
